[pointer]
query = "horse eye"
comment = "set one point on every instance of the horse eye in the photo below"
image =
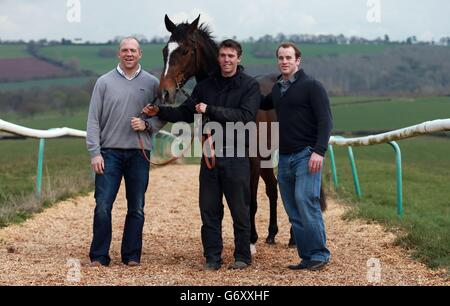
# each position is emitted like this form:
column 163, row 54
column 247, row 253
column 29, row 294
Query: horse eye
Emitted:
column 185, row 51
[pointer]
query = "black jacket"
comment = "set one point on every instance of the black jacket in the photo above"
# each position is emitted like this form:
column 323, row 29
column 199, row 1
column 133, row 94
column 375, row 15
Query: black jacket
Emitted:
column 236, row 101
column 304, row 114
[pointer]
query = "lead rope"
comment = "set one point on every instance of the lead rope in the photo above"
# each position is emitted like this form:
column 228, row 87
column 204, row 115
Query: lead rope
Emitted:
column 148, row 158
column 210, row 162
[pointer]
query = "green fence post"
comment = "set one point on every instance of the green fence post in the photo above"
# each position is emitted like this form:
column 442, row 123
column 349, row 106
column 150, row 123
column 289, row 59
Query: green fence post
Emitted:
column 152, row 153
column 398, row 161
column 354, row 172
column 333, row 166
column 161, row 146
column 39, row 168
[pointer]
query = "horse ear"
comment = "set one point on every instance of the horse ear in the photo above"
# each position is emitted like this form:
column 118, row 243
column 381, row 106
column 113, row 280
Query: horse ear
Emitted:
column 170, row 26
column 194, row 24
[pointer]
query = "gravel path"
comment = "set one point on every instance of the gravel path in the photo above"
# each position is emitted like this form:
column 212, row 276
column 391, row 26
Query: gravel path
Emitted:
column 52, row 247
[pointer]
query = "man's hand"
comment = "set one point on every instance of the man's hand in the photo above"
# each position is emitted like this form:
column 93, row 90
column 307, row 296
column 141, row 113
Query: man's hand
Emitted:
column 201, row 108
column 138, row 124
column 98, row 164
column 151, row 110
column 315, row 163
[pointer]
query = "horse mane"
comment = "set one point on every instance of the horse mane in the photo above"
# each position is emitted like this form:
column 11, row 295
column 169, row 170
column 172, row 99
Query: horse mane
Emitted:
column 211, row 48
column 206, row 33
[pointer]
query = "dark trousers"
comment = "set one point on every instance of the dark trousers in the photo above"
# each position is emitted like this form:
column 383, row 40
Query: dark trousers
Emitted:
column 230, row 177
column 132, row 166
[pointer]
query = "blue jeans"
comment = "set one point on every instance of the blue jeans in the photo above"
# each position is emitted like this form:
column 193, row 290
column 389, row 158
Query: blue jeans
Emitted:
column 131, row 165
column 300, row 191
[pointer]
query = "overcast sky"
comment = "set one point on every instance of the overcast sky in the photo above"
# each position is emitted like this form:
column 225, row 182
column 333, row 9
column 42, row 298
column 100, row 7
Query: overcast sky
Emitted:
column 101, row 20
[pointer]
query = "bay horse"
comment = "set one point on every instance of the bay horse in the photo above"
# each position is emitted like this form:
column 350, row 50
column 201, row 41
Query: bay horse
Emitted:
column 192, row 52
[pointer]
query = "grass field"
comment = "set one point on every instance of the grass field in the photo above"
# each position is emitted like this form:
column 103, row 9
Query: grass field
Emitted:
column 351, row 115
column 66, row 167
column 425, row 227
column 13, row 51
column 76, row 81
column 89, row 59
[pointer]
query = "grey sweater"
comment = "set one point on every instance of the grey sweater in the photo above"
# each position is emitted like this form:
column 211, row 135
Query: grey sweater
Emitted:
column 115, row 100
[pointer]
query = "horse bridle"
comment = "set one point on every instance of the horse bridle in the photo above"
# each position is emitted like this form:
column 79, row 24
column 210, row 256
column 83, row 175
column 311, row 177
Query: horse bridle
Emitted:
column 180, row 84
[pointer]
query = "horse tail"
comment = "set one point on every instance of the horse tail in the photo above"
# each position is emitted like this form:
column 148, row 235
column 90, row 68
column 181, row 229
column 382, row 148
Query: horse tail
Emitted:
column 323, row 199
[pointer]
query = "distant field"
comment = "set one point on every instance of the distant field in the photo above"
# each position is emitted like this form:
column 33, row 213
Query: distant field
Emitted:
column 313, row 50
column 74, row 81
column 18, row 69
column 89, row 58
column 395, row 114
column 13, row 51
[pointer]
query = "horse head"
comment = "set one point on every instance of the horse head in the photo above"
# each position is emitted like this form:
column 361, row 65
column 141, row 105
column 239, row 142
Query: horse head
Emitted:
column 190, row 51
column 180, row 58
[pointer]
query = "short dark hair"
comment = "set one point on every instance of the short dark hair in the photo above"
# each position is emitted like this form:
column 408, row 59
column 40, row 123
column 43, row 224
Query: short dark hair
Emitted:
column 230, row 43
column 285, row 45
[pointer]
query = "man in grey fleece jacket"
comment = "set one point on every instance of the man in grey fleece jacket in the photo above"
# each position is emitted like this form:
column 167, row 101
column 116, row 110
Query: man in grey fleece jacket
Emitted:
column 113, row 144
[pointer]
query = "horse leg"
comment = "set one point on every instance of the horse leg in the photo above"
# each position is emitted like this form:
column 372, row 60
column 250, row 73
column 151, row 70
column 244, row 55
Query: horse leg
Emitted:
column 255, row 167
column 272, row 193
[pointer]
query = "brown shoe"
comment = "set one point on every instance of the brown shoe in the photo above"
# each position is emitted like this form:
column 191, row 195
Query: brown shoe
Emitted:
column 133, row 263
column 96, row 264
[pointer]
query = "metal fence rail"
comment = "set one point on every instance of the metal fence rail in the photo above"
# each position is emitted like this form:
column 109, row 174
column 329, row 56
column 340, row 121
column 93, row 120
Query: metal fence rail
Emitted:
column 162, row 138
column 389, row 138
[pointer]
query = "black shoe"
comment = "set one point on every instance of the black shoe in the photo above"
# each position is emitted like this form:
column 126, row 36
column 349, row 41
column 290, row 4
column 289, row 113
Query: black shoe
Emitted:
column 300, row 266
column 210, row 266
column 316, row 265
column 238, row 265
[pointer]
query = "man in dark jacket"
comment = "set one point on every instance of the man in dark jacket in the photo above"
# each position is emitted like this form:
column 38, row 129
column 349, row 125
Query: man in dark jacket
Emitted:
column 230, row 96
column 304, row 114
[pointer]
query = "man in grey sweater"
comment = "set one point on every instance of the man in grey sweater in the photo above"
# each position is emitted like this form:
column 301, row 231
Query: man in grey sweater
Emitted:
column 113, row 144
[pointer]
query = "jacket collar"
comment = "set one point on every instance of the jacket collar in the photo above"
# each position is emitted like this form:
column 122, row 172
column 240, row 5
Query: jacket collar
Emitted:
column 299, row 75
column 237, row 78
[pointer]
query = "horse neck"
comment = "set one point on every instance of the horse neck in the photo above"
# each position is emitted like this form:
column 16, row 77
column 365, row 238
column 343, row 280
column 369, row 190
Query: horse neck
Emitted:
column 207, row 59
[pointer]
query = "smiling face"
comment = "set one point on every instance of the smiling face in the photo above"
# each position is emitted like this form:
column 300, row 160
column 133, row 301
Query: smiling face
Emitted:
column 228, row 61
column 130, row 54
column 288, row 63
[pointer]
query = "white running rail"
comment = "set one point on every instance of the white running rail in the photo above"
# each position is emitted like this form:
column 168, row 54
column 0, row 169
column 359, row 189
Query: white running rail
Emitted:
column 413, row 131
column 46, row 134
